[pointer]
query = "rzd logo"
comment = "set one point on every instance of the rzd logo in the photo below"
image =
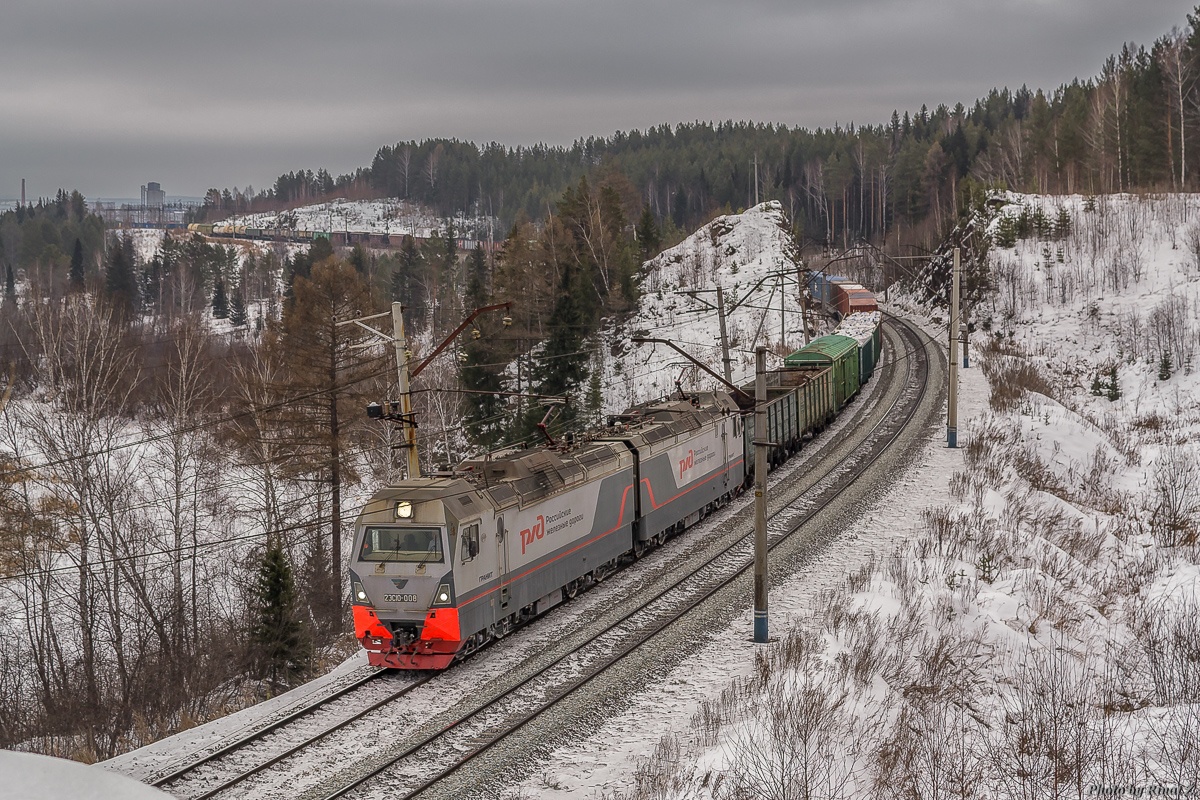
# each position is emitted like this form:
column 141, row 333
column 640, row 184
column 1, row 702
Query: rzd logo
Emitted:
column 686, row 463
column 536, row 532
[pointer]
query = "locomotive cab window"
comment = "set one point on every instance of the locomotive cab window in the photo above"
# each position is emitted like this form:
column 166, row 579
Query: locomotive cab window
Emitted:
column 401, row 544
column 470, row 542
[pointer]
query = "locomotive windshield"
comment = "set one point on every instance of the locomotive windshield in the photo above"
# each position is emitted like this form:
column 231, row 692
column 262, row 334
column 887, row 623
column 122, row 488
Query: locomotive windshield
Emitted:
column 402, row 544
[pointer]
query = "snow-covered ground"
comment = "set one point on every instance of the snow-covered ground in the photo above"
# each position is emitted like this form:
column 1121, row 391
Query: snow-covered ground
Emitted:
column 389, row 215
column 1019, row 617
column 751, row 256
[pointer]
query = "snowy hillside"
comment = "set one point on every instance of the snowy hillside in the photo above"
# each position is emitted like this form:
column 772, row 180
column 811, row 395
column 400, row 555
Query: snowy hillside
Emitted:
column 1034, row 632
column 750, row 255
column 390, row 215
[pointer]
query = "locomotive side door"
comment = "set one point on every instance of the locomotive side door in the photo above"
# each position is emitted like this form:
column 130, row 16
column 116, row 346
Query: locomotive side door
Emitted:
column 725, row 452
column 502, row 566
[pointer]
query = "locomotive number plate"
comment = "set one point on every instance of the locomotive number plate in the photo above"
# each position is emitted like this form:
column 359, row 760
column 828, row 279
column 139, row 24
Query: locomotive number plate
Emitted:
column 399, row 598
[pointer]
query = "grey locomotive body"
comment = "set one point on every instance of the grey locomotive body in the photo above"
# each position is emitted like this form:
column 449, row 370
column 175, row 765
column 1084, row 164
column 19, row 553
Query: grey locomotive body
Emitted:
column 441, row 565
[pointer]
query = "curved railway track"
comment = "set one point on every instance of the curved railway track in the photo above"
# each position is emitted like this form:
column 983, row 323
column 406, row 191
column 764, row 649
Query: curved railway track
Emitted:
column 432, row 756
column 190, row 775
column 432, row 760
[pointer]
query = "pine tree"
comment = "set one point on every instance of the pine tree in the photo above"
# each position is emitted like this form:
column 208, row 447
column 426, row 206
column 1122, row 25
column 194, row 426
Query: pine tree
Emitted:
column 237, row 308
column 1062, row 223
column 1164, row 366
column 333, row 377
column 1114, row 385
column 76, row 274
column 1097, row 386
column 485, row 412
column 358, row 259
column 119, row 284
column 649, row 238
column 563, row 367
column 403, row 274
column 10, row 284
column 595, row 397
column 280, row 640
column 220, row 304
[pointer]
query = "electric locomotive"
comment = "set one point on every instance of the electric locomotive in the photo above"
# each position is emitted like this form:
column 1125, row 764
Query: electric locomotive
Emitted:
column 443, row 564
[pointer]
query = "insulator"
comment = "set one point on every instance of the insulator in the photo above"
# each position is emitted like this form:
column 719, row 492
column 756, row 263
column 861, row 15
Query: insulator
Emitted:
column 462, row 357
column 507, row 322
column 475, row 334
column 408, row 354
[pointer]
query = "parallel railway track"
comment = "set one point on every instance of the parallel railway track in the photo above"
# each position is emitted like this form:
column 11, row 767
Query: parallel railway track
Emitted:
column 433, row 756
column 434, row 759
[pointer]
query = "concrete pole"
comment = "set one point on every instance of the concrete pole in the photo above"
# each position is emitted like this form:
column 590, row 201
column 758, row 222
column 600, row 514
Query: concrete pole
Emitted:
column 409, row 425
column 760, row 495
column 952, row 399
column 964, row 338
column 724, row 336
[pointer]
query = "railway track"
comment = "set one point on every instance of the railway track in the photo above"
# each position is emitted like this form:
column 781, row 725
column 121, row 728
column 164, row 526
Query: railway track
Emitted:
column 200, row 779
column 431, row 761
column 438, row 751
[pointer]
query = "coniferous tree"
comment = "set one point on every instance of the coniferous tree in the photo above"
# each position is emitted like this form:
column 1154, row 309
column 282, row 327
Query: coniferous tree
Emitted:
column 279, row 637
column 220, row 303
column 1164, row 366
column 119, row 284
column 10, row 284
column 1114, row 385
column 333, row 378
column 402, row 276
column 237, row 308
column 649, row 238
column 563, row 366
column 76, row 274
column 358, row 259
column 485, row 411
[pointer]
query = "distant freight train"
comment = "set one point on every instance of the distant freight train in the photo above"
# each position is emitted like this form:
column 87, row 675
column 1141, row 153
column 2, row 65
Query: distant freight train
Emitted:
column 442, row 565
column 338, row 238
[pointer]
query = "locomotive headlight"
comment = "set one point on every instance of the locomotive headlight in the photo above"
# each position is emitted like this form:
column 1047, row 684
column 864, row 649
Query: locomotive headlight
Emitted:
column 360, row 595
column 443, row 594
column 404, row 509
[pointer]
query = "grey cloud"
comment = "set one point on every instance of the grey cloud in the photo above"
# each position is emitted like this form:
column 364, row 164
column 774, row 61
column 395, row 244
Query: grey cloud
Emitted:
column 104, row 96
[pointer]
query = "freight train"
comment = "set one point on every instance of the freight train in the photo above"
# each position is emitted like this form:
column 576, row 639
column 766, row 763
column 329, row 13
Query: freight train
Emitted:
column 441, row 565
column 336, row 238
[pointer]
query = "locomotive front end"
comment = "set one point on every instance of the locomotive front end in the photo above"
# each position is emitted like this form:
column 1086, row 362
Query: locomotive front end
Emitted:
column 401, row 579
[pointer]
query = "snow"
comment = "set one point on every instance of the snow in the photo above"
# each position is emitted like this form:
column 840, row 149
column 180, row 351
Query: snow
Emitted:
column 182, row 748
column 860, row 326
column 607, row 761
column 389, row 215
column 742, row 253
column 146, row 242
column 1062, row 489
column 26, row 775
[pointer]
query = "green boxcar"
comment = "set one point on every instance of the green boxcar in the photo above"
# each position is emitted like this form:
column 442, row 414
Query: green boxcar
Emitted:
column 838, row 352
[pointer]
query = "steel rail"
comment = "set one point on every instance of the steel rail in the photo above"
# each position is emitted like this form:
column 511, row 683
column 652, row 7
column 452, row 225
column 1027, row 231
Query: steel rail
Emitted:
column 258, row 734
column 671, row 617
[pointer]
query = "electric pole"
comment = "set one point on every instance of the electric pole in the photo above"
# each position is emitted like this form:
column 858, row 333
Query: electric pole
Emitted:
column 952, row 398
column 760, row 495
column 724, row 336
column 406, row 409
column 402, row 411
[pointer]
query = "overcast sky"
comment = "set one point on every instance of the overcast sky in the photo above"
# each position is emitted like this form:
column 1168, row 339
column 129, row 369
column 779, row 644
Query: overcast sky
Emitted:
column 105, row 95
